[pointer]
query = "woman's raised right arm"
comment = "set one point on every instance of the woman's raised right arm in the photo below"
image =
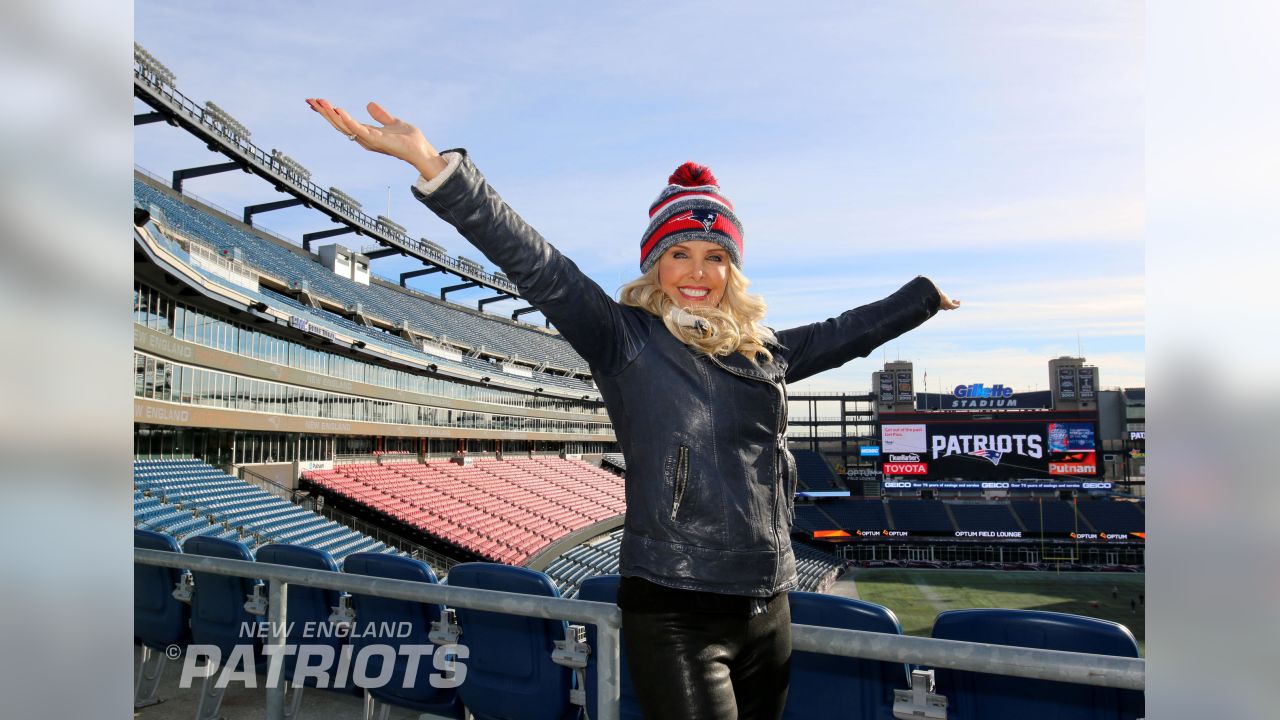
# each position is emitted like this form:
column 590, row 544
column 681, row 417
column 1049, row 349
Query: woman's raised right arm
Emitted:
column 607, row 335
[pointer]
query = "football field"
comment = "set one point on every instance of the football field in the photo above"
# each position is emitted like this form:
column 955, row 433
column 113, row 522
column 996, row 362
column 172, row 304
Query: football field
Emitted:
column 917, row 596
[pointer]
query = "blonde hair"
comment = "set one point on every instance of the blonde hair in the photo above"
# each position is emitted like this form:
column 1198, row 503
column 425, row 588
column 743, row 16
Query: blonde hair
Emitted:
column 733, row 326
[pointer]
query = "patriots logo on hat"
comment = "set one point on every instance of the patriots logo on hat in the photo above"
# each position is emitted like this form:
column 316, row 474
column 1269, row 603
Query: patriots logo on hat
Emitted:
column 706, row 217
column 992, row 455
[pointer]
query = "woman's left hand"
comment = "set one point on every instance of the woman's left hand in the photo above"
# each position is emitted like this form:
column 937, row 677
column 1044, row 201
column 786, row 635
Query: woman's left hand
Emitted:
column 947, row 303
column 396, row 137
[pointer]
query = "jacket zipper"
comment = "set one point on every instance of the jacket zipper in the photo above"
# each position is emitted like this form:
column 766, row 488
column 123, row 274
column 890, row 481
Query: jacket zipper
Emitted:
column 783, row 465
column 681, row 479
column 778, row 445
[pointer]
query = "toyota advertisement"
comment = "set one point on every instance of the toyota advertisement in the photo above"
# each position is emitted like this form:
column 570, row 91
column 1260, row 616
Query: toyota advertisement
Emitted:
column 989, row 450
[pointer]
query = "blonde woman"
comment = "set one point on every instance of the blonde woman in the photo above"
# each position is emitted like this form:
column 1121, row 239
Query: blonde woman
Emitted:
column 695, row 386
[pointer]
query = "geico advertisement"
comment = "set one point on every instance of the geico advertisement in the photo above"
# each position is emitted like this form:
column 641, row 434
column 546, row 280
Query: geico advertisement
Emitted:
column 992, row 450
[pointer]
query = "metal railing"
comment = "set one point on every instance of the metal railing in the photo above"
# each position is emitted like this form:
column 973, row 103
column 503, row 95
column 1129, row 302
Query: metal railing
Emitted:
column 1055, row 665
column 264, row 483
column 438, row 562
column 606, row 618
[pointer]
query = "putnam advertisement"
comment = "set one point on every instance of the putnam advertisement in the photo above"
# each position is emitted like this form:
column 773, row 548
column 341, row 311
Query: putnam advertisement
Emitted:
column 1071, row 449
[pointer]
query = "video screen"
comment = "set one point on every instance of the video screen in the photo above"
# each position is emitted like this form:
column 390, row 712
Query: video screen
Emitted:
column 988, row 450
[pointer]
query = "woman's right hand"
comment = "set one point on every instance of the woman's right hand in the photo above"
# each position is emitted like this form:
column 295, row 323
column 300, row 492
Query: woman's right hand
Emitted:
column 396, row 137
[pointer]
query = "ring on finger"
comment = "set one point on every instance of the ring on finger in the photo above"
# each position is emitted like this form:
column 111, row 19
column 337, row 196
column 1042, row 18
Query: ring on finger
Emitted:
column 351, row 136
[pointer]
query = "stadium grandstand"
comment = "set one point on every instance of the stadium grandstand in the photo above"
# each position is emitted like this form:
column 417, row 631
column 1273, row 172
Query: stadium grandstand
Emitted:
column 296, row 412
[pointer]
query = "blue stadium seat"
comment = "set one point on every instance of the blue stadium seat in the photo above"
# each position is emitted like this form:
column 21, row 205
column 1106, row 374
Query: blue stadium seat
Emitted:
column 604, row 589
column 814, row 472
column 218, row 615
column 217, row 607
column 973, row 695
column 309, row 609
column 510, row 675
column 821, row 683
column 159, row 619
column 422, row 696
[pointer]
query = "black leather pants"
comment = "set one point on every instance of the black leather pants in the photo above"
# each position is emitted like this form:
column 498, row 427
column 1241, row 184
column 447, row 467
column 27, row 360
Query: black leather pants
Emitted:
column 706, row 666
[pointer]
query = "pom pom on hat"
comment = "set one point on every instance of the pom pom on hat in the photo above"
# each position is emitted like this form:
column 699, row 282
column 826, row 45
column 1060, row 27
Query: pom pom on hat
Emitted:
column 691, row 174
column 691, row 207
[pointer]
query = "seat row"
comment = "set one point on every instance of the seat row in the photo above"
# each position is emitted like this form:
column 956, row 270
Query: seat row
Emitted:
column 185, row 609
column 189, row 498
column 512, row 671
column 504, row 510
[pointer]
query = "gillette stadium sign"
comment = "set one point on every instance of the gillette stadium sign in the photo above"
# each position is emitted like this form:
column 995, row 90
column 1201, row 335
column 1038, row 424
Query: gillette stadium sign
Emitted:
column 978, row 390
column 981, row 397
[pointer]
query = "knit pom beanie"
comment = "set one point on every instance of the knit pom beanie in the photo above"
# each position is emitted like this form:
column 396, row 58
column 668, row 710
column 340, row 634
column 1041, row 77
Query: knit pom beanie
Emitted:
column 690, row 208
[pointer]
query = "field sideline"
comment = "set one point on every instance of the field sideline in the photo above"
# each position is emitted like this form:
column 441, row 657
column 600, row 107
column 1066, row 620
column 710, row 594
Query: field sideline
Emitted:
column 917, row 596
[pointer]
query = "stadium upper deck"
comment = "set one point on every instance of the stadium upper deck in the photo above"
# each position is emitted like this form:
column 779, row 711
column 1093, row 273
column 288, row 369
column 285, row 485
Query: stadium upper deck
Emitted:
column 387, row 314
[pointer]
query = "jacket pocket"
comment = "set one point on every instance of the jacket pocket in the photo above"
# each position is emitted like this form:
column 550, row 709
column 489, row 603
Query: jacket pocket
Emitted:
column 680, row 479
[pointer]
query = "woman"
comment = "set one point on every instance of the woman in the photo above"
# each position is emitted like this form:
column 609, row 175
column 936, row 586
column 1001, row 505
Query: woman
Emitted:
column 696, row 390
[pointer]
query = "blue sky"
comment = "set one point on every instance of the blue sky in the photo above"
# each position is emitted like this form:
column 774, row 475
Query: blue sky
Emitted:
column 996, row 147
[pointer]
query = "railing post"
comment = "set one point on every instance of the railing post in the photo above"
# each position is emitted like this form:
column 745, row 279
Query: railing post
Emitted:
column 608, row 671
column 276, row 616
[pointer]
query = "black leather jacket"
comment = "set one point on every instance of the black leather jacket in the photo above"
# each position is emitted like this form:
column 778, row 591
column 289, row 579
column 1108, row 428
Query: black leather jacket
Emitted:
column 710, row 484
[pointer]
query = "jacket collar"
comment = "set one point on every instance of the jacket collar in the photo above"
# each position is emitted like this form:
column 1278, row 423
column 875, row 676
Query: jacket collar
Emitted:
column 738, row 364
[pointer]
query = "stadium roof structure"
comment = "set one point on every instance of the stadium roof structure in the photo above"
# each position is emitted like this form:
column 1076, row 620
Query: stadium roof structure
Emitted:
column 154, row 85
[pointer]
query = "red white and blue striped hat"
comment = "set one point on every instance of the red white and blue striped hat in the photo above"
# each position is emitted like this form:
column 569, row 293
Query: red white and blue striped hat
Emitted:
column 690, row 208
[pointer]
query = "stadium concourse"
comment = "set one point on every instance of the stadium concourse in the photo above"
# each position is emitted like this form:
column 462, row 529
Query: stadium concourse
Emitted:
column 293, row 409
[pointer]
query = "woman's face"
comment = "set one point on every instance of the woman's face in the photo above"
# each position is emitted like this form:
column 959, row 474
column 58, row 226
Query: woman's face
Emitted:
column 694, row 273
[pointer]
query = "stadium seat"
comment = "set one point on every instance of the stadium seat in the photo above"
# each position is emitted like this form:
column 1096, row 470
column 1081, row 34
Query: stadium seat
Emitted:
column 217, row 607
column 820, row 683
column 369, row 610
column 159, row 619
column 974, row 696
column 218, row 614
column 308, row 612
column 604, row 589
column 510, row 675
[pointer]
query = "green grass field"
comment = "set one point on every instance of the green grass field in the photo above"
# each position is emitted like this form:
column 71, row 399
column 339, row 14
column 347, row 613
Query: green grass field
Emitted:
column 917, row 596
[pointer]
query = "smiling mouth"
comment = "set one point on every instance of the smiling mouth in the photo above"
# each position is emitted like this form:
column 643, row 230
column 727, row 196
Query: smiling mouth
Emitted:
column 694, row 293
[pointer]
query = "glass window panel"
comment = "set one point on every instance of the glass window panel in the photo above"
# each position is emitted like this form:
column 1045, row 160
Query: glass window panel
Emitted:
column 164, row 372
column 206, row 386
column 180, row 373
column 139, row 375
column 161, row 380
column 149, row 378
column 167, row 308
column 152, row 316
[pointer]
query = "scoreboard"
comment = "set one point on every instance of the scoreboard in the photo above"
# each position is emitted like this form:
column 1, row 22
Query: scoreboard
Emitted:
column 1002, row 448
